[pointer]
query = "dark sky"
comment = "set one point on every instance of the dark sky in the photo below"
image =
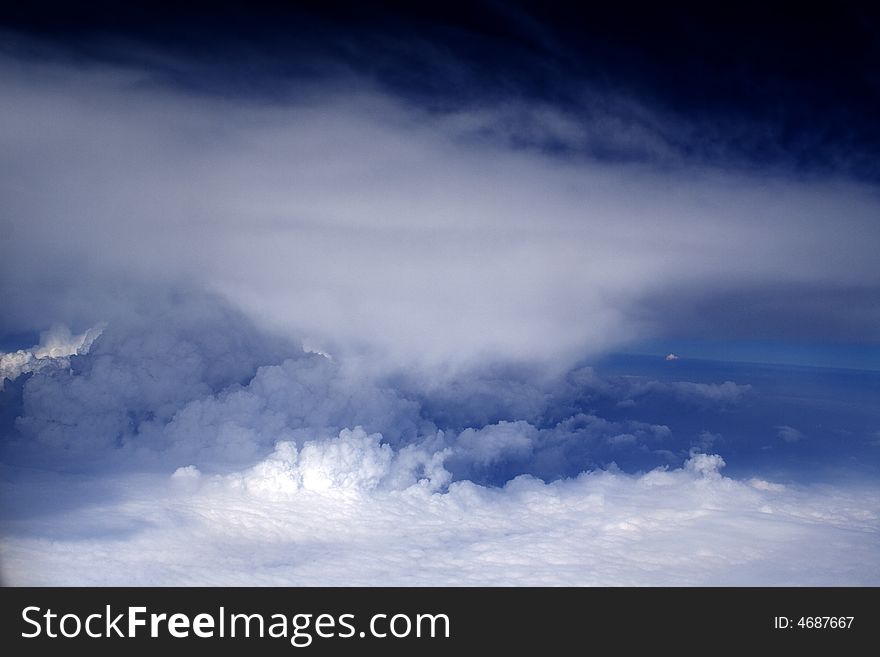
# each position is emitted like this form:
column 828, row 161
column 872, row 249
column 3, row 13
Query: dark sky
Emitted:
column 763, row 86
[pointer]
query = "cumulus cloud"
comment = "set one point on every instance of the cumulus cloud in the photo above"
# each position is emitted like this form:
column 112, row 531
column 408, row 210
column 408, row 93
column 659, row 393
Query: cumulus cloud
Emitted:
column 706, row 465
column 301, row 397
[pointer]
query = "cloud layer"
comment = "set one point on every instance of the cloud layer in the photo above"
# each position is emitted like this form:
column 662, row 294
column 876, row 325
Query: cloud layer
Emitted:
column 329, row 517
column 364, row 223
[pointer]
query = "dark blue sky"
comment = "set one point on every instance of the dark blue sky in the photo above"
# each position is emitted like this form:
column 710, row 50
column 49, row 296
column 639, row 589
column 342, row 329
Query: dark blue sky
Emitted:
column 755, row 85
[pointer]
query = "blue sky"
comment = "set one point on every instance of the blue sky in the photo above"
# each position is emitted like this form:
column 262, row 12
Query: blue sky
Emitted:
column 265, row 271
column 779, row 352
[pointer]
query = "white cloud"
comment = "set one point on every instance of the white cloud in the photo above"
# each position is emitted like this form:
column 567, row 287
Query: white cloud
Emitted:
column 495, row 442
column 362, row 223
column 53, row 351
column 707, row 465
column 690, row 526
column 355, row 460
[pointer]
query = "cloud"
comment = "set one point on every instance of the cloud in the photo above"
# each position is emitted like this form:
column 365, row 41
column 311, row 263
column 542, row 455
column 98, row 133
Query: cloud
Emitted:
column 447, row 283
column 187, row 426
column 706, row 440
column 622, row 439
column 354, row 460
column 789, row 434
column 53, row 351
column 172, row 348
column 185, row 379
column 330, row 518
column 364, row 223
column 697, row 393
column 494, row 442
column 706, row 465
column 302, row 397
